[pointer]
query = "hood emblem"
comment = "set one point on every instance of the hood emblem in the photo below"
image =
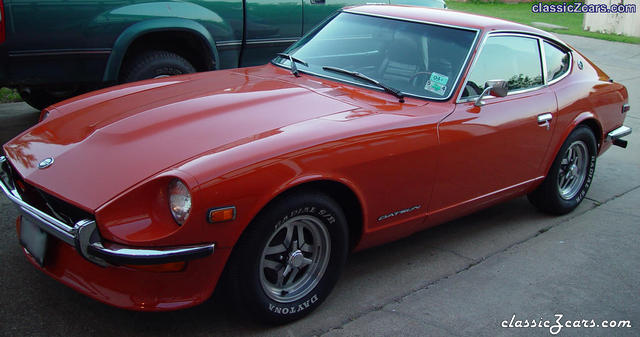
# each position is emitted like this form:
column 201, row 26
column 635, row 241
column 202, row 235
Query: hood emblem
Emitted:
column 45, row 163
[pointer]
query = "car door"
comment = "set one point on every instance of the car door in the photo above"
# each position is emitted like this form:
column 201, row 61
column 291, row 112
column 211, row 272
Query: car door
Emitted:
column 494, row 150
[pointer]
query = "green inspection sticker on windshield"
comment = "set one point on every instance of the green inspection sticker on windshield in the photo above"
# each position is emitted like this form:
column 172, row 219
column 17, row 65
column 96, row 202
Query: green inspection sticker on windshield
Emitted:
column 437, row 83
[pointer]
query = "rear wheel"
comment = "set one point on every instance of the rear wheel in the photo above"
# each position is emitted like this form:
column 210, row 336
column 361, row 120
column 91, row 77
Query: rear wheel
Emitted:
column 289, row 259
column 570, row 176
column 156, row 64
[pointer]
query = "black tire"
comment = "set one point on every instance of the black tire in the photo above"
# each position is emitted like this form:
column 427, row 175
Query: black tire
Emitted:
column 39, row 98
column 155, row 64
column 253, row 273
column 568, row 179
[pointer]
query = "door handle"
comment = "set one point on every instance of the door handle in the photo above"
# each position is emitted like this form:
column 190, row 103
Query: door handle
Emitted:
column 545, row 119
column 317, row 2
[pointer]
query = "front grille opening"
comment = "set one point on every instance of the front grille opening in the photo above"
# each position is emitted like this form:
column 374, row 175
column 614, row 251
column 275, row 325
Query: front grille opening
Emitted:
column 47, row 203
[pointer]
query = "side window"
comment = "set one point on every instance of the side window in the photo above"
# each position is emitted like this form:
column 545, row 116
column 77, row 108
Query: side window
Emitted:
column 557, row 61
column 514, row 59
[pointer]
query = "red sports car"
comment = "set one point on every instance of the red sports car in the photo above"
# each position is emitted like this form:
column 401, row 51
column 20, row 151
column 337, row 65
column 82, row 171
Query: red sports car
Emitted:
column 382, row 121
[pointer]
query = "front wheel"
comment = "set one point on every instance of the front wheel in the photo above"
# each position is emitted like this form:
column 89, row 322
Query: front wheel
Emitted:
column 289, row 258
column 570, row 176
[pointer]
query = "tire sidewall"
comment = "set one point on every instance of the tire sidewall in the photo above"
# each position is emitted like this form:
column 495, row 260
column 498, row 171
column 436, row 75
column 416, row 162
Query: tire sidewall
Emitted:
column 157, row 63
column 255, row 298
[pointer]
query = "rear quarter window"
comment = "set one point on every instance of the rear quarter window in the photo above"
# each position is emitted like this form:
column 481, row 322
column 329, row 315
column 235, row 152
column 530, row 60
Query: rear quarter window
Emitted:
column 557, row 61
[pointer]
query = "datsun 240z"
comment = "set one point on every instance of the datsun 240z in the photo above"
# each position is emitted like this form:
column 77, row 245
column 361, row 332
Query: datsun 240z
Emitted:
column 382, row 121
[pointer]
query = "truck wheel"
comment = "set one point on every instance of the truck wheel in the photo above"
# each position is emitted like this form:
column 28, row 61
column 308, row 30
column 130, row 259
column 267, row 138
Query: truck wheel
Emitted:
column 570, row 176
column 156, row 64
column 288, row 259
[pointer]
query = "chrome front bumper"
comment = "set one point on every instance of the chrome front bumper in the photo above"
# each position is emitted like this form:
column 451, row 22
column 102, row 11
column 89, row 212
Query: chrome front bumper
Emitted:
column 616, row 135
column 85, row 237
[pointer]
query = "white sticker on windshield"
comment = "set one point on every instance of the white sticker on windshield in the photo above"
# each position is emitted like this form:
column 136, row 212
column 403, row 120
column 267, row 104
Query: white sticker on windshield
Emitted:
column 437, row 83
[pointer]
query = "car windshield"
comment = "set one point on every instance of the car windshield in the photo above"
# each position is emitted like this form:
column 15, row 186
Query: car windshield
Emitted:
column 410, row 58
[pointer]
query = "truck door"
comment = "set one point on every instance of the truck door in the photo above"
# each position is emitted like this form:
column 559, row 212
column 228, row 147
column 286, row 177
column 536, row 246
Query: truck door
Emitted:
column 271, row 26
column 50, row 39
column 315, row 11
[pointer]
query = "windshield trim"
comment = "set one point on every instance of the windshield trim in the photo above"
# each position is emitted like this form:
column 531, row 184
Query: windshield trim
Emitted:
column 464, row 66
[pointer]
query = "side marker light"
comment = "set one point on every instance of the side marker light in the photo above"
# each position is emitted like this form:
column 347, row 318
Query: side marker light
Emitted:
column 221, row 214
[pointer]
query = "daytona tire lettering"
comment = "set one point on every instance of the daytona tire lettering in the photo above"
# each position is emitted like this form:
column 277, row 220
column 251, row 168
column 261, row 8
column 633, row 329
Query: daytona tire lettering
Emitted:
column 293, row 309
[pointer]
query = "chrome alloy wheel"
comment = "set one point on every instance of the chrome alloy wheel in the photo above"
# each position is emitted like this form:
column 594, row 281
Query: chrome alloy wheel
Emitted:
column 573, row 170
column 295, row 258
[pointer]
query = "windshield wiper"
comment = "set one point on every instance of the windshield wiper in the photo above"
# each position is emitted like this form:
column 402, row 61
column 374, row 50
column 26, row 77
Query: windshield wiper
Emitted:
column 393, row 91
column 293, row 60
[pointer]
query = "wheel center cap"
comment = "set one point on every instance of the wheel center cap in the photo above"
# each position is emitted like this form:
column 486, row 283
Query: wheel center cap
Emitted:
column 573, row 169
column 296, row 259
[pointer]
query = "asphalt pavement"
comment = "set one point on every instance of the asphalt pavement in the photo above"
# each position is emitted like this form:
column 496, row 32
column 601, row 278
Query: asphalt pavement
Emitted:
column 470, row 277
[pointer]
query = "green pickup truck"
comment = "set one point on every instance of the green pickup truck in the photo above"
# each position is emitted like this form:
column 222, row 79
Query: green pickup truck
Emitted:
column 54, row 49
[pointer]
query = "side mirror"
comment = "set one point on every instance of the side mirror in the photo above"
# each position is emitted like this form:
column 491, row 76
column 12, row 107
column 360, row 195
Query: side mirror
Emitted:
column 498, row 88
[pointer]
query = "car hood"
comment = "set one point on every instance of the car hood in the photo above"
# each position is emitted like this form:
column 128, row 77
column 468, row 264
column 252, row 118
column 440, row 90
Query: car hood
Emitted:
column 105, row 143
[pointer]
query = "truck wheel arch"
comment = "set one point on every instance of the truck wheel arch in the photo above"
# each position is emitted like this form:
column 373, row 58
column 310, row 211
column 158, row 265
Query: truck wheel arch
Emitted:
column 143, row 29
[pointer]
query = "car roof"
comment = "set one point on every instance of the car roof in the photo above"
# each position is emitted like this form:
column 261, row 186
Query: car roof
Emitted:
column 448, row 17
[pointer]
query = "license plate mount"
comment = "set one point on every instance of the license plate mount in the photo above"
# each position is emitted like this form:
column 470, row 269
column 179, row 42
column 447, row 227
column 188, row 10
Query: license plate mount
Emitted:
column 33, row 239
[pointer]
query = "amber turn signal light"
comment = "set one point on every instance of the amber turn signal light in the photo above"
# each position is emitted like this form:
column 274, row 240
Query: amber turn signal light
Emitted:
column 221, row 214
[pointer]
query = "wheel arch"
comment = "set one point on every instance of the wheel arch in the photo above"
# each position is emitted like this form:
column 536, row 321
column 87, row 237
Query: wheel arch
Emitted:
column 587, row 119
column 596, row 128
column 152, row 31
column 339, row 191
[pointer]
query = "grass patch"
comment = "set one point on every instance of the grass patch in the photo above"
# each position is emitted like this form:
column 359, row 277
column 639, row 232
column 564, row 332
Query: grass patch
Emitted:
column 9, row 95
column 521, row 12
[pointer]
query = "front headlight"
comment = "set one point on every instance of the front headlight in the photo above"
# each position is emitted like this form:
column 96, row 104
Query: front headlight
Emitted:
column 179, row 201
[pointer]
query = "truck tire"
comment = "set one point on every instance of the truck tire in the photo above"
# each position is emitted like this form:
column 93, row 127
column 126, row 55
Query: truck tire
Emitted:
column 156, row 64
